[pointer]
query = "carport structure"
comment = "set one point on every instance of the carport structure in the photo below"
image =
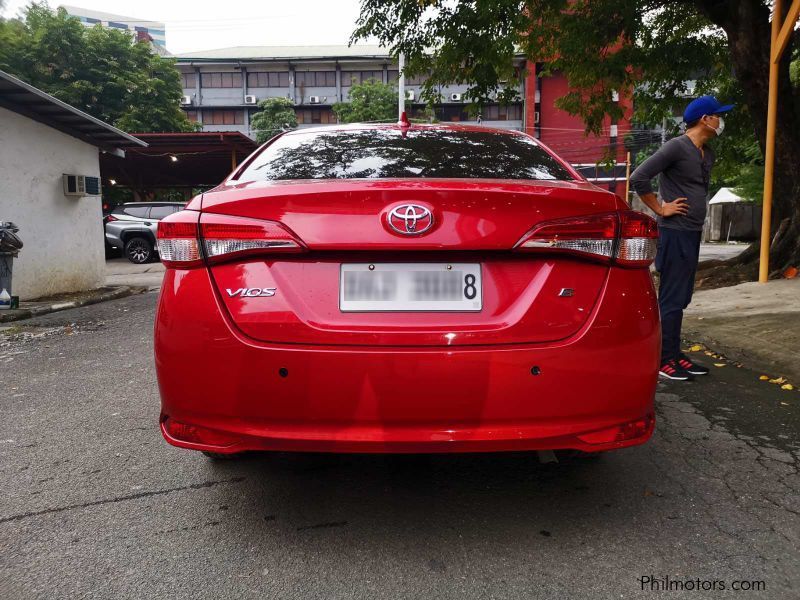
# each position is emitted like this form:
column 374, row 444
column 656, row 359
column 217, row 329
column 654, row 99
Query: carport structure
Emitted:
column 184, row 161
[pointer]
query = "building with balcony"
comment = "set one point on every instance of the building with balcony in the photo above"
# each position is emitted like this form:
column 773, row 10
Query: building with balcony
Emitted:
column 222, row 88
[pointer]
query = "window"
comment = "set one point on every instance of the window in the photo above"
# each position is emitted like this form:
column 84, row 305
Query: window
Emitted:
column 191, row 115
column 416, row 80
column 417, row 152
column 117, row 25
column 221, row 80
column 262, row 80
column 319, row 116
column 188, row 81
column 453, row 114
column 136, row 211
column 355, row 77
column 218, row 116
column 160, row 212
column 500, row 112
column 393, row 75
column 315, row 78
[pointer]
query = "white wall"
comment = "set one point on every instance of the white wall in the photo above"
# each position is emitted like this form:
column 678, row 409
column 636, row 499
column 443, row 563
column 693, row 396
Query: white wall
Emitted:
column 63, row 237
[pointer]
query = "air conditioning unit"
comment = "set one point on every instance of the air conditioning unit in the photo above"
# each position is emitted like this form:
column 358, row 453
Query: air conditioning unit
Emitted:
column 249, row 99
column 455, row 97
column 411, row 95
column 614, row 96
column 186, row 100
column 76, row 186
column 536, row 117
column 313, row 100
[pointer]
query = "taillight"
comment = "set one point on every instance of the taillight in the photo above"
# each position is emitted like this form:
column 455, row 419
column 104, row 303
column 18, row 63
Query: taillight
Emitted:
column 178, row 244
column 628, row 238
column 110, row 218
column 186, row 238
column 638, row 239
column 234, row 237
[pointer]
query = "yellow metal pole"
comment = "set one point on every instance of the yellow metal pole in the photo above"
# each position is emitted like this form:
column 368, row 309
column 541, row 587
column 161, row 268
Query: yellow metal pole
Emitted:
column 627, row 176
column 769, row 158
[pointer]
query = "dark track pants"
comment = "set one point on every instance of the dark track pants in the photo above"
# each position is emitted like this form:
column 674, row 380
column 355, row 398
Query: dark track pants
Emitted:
column 676, row 262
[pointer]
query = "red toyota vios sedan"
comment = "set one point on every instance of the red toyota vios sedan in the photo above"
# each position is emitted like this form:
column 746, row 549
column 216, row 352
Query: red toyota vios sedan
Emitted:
column 406, row 289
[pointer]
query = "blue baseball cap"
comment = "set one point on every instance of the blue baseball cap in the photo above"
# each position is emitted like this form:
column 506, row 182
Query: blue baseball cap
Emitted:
column 704, row 105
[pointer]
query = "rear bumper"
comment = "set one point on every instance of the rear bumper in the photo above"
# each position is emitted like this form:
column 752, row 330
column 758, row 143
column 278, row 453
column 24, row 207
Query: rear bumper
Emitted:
column 223, row 392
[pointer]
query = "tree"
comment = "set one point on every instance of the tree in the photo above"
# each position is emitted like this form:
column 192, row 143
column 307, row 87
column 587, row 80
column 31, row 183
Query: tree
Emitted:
column 98, row 70
column 274, row 116
column 370, row 100
column 653, row 47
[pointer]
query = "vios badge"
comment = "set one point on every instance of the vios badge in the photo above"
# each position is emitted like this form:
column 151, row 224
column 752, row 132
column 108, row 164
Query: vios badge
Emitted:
column 251, row 292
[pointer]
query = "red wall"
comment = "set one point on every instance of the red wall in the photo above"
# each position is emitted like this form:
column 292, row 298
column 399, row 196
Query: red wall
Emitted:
column 563, row 132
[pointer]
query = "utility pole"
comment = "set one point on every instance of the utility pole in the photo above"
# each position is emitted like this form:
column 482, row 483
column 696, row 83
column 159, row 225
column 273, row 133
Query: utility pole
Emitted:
column 778, row 41
column 401, row 89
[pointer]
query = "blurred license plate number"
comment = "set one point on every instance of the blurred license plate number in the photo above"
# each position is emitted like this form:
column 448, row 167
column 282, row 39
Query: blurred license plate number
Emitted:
column 401, row 287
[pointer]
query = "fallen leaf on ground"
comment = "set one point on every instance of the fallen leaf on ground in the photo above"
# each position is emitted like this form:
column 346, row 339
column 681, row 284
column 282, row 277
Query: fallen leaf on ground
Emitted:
column 787, row 386
column 696, row 348
column 778, row 380
column 764, row 378
column 790, row 273
column 785, row 403
column 719, row 364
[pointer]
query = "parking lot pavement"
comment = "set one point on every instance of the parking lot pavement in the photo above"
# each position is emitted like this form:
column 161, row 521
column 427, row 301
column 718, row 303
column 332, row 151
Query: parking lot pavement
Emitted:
column 720, row 251
column 96, row 505
column 121, row 271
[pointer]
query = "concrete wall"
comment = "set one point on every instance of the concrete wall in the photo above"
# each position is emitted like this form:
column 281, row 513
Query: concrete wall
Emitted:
column 63, row 236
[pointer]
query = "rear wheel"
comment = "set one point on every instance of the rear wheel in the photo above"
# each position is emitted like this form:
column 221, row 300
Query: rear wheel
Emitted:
column 139, row 250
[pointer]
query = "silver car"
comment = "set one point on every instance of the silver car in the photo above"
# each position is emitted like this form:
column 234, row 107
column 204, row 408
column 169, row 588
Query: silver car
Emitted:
column 131, row 228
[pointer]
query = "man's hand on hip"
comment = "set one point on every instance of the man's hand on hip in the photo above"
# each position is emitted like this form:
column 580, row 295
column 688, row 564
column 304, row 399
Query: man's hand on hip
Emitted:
column 676, row 207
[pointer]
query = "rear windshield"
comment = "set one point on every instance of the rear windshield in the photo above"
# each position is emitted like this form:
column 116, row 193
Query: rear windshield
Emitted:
column 381, row 153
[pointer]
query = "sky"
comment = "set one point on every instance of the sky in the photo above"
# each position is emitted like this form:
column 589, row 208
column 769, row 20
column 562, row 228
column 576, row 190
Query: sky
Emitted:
column 203, row 24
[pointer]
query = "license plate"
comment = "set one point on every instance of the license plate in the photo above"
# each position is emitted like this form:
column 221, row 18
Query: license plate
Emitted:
column 401, row 287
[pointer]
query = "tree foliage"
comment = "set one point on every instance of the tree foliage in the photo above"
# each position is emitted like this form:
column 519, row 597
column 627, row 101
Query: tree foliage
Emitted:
column 98, row 70
column 656, row 53
column 274, row 116
column 370, row 101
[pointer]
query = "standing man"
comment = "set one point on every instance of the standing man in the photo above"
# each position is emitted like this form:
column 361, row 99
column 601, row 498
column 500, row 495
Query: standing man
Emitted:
column 683, row 166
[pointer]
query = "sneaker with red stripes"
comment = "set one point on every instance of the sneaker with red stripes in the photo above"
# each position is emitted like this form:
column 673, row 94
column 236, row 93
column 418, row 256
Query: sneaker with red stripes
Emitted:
column 688, row 365
column 672, row 370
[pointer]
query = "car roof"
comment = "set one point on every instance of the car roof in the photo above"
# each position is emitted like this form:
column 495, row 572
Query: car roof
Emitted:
column 398, row 127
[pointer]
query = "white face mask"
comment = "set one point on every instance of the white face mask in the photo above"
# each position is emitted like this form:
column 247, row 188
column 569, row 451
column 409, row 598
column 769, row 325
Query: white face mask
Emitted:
column 720, row 128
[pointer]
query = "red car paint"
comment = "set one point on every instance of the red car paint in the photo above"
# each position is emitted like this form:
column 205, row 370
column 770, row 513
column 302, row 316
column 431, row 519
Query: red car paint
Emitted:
column 288, row 370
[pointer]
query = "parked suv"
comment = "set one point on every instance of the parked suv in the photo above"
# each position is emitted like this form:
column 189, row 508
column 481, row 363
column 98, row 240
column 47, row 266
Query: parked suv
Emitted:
column 131, row 227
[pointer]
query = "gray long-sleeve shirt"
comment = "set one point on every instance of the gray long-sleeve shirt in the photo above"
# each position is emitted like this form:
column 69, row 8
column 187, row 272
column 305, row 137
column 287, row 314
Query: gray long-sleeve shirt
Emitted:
column 682, row 173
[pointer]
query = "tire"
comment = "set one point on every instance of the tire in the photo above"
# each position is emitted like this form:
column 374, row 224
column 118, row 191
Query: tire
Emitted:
column 220, row 456
column 139, row 250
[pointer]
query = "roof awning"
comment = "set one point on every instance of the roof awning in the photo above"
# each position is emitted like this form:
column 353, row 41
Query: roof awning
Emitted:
column 725, row 196
column 26, row 100
column 178, row 160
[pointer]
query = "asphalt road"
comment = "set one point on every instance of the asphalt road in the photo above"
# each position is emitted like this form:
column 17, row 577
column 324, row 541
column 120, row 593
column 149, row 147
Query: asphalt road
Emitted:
column 95, row 505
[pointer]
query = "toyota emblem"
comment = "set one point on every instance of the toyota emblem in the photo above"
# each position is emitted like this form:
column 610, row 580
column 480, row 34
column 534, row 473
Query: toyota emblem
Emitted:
column 410, row 219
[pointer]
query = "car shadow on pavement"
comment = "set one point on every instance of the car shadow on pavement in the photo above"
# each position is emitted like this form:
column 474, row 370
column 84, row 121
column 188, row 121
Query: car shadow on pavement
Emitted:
column 381, row 499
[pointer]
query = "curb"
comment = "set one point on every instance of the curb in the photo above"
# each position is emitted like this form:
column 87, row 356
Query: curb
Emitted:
column 754, row 360
column 114, row 293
